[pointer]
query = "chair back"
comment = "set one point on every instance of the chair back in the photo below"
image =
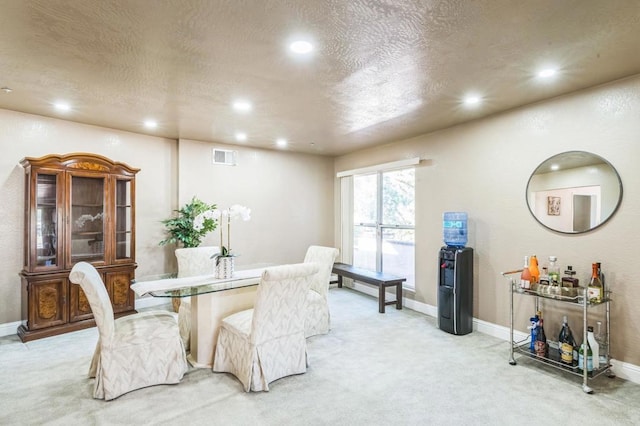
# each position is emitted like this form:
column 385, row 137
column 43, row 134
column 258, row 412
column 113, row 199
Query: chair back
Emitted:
column 89, row 279
column 280, row 301
column 194, row 261
column 324, row 257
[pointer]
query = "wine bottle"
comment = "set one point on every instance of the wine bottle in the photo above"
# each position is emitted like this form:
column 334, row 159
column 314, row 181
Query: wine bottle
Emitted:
column 534, row 270
column 525, row 276
column 585, row 347
column 566, row 343
column 594, row 347
column 600, row 274
column 541, row 346
column 595, row 290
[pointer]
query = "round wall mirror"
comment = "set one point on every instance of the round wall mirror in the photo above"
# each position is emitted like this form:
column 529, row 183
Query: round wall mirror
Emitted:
column 574, row 192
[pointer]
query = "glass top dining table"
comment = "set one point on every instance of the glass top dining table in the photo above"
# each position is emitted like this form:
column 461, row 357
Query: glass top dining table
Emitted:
column 169, row 286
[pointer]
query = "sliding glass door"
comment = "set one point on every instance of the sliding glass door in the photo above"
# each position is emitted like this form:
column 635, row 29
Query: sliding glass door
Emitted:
column 384, row 222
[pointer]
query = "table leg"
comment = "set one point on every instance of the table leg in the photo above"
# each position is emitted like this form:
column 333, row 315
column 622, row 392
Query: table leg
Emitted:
column 339, row 281
column 207, row 312
column 381, row 303
column 399, row 296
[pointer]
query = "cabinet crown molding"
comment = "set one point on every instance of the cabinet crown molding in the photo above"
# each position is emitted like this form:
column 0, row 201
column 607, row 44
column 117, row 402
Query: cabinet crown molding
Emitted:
column 82, row 161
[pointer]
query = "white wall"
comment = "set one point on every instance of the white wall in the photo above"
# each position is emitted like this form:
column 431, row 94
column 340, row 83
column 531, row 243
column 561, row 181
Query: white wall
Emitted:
column 482, row 167
column 290, row 197
column 25, row 135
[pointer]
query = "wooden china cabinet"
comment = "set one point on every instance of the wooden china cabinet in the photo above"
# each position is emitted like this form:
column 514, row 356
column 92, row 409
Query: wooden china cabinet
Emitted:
column 78, row 207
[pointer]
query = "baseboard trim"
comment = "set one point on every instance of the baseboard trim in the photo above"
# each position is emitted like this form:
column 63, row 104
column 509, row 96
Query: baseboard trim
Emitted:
column 624, row 370
column 9, row 328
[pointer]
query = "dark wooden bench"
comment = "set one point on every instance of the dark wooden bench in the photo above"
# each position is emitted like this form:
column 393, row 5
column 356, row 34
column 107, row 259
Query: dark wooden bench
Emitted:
column 375, row 278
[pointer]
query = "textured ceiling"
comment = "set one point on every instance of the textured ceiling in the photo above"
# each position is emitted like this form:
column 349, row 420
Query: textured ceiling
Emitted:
column 382, row 70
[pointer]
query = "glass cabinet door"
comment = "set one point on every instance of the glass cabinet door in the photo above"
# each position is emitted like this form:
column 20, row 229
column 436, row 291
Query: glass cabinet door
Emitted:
column 46, row 220
column 87, row 221
column 123, row 219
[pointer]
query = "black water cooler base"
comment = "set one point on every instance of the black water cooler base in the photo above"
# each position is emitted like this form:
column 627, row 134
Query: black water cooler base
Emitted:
column 455, row 290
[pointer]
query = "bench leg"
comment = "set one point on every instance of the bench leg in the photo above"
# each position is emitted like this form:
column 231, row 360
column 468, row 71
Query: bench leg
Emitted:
column 381, row 303
column 399, row 296
column 339, row 281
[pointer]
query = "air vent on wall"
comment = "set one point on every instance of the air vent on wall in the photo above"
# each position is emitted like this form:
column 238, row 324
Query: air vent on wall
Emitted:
column 226, row 157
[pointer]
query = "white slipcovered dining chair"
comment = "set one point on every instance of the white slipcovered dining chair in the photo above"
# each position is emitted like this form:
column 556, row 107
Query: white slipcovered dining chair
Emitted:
column 133, row 352
column 318, row 316
column 266, row 343
column 192, row 261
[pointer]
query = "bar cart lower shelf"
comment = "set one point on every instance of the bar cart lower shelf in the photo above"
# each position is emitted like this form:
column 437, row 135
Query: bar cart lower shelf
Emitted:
column 522, row 347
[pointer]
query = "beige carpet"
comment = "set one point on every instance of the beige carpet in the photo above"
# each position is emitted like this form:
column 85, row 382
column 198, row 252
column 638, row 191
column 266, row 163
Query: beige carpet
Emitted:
column 396, row 368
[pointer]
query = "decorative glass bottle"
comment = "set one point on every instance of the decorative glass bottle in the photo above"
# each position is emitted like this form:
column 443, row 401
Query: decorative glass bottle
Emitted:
column 525, row 276
column 595, row 289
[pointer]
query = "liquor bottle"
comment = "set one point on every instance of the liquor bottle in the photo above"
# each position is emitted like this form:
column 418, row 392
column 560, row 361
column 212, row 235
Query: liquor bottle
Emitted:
column 568, row 280
column 544, row 276
column 603, row 347
column 595, row 348
column 566, row 343
column 594, row 291
column 534, row 332
column 534, row 270
column 541, row 346
column 589, row 356
column 554, row 271
column 525, row 276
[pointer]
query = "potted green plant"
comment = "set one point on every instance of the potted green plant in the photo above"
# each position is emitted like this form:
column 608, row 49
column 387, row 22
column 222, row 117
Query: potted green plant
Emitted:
column 182, row 229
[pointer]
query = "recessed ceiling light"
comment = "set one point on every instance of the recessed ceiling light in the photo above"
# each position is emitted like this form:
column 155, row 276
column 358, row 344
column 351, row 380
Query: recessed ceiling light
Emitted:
column 150, row 124
column 472, row 100
column 554, row 167
column 547, row 72
column 301, row 47
column 6, row 89
column 281, row 142
column 241, row 137
column 62, row 106
column 242, row 106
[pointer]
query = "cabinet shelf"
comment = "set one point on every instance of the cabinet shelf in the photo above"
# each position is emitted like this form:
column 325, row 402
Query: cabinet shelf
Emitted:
column 553, row 360
column 92, row 205
column 576, row 300
column 87, row 233
column 522, row 347
column 87, row 257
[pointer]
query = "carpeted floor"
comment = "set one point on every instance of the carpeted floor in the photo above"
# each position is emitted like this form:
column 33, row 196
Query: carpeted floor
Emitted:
column 396, row 368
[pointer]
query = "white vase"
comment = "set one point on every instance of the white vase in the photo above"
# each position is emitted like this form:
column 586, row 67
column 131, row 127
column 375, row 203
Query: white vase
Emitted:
column 224, row 267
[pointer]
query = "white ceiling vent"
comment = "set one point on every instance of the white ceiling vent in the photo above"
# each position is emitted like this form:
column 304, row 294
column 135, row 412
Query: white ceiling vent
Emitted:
column 226, row 157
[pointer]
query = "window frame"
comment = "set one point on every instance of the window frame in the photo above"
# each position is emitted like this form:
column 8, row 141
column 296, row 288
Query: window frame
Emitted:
column 379, row 225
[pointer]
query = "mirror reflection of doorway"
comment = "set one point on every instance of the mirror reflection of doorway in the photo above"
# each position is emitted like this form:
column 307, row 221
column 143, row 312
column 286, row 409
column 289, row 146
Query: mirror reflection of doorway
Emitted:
column 583, row 212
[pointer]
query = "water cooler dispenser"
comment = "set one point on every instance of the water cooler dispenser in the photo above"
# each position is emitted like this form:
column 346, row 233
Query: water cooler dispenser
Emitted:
column 455, row 278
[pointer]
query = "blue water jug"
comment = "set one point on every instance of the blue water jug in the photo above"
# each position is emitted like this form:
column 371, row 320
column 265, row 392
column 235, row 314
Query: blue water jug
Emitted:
column 454, row 226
